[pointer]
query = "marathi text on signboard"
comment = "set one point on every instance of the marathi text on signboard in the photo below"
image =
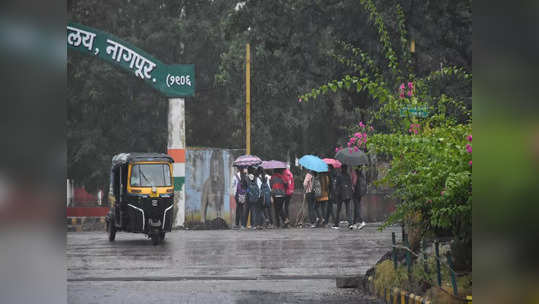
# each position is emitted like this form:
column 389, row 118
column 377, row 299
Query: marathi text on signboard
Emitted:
column 414, row 111
column 172, row 80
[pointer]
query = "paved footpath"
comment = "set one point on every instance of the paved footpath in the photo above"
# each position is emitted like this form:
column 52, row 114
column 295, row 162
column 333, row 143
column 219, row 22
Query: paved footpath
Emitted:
column 222, row 266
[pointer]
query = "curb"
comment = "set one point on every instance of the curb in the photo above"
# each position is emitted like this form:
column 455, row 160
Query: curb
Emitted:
column 85, row 223
column 398, row 296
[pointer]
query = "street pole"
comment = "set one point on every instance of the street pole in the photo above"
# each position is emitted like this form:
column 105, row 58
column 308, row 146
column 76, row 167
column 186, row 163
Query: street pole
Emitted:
column 176, row 149
column 248, row 98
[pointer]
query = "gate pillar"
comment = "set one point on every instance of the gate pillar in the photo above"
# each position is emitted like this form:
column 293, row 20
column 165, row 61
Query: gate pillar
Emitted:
column 176, row 149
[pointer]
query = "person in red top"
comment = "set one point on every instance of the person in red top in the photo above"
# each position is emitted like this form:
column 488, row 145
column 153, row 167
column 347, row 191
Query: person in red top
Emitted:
column 289, row 181
column 278, row 191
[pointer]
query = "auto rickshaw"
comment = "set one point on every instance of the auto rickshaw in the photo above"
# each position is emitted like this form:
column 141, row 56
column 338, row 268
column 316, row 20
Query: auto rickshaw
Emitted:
column 141, row 195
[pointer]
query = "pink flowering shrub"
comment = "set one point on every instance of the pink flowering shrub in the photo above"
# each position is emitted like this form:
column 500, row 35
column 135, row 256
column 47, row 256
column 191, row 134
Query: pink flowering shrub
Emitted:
column 409, row 92
column 431, row 174
column 414, row 128
column 358, row 141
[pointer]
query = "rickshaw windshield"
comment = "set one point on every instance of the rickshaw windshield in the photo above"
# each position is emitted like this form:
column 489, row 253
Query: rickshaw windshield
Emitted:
column 150, row 175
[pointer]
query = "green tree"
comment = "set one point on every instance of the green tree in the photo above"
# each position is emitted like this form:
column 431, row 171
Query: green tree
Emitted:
column 110, row 111
column 430, row 157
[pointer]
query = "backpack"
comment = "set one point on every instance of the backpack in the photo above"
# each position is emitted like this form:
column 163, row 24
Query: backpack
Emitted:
column 317, row 187
column 278, row 187
column 253, row 192
column 346, row 187
column 240, row 191
column 265, row 193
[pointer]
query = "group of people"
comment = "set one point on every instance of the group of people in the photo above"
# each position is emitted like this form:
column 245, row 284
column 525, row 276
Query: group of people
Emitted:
column 258, row 191
column 340, row 187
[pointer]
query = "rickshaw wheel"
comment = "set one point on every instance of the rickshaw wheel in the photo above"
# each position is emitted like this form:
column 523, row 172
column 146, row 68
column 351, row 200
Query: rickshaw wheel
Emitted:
column 111, row 228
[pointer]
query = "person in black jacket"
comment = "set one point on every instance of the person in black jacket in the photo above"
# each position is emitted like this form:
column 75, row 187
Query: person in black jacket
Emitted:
column 360, row 189
column 345, row 194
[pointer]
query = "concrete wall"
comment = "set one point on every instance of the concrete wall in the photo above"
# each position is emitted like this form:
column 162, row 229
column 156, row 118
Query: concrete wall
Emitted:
column 376, row 205
column 208, row 177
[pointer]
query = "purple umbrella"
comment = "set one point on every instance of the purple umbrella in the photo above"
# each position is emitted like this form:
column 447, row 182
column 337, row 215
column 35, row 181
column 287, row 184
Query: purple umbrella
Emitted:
column 273, row 164
column 247, row 160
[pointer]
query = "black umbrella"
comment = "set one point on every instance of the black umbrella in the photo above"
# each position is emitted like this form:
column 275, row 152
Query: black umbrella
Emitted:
column 351, row 157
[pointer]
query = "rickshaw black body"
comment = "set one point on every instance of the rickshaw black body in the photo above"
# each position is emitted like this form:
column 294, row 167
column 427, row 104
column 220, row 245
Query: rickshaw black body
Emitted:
column 139, row 208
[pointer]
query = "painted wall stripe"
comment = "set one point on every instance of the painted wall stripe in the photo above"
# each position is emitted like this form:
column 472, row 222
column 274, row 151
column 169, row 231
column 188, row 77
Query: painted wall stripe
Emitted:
column 177, row 154
column 86, row 211
column 178, row 169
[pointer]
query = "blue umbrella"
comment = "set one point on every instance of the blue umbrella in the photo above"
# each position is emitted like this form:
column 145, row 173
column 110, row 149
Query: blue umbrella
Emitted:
column 314, row 163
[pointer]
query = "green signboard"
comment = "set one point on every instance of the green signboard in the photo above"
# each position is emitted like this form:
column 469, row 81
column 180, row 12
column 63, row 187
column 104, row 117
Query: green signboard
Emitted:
column 172, row 80
column 414, row 111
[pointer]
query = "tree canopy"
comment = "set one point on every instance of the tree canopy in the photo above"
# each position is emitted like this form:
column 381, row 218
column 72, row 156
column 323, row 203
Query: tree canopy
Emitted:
column 296, row 45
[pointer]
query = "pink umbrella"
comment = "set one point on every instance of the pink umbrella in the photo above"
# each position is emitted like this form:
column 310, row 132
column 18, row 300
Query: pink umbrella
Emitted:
column 273, row 164
column 247, row 160
column 330, row 161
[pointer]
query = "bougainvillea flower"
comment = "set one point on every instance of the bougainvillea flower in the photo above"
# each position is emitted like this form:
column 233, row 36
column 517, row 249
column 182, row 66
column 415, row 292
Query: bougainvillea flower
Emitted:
column 358, row 135
column 361, row 124
column 349, row 143
column 410, row 85
column 470, row 163
column 410, row 93
column 336, row 149
column 401, row 90
column 468, row 148
column 364, row 135
column 470, row 137
column 299, row 100
column 356, row 149
column 352, row 139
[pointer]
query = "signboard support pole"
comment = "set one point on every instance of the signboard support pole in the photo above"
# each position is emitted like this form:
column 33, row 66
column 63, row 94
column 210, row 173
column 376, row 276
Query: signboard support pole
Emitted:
column 176, row 149
column 248, row 97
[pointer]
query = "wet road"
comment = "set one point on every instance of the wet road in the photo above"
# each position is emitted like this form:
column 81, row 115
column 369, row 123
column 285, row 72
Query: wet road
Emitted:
column 222, row 266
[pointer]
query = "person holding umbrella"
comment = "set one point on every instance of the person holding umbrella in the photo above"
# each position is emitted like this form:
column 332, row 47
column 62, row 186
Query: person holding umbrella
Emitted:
column 360, row 189
column 278, row 191
column 240, row 195
column 311, row 185
column 322, row 199
column 265, row 189
column 243, row 162
column 279, row 166
column 349, row 157
column 253, row 198
column 345, row 194
column 309, row 194
column 289, row 191
column 333, row 195
column 333, row 165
